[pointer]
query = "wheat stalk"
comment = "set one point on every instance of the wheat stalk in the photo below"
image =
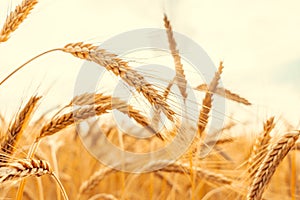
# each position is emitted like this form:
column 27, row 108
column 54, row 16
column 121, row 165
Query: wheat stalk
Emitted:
column 15, row 18
column 273, row 158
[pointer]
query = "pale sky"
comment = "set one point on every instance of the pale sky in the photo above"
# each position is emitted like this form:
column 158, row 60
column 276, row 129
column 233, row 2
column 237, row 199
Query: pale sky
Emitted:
column 257, row 40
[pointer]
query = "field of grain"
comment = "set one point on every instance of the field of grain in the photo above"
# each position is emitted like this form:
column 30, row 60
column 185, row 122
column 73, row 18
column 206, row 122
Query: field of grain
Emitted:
column 58, row 153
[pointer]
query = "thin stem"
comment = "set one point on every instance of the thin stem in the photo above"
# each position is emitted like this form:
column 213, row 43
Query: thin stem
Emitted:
column 40, row 188
column 55, row 166
column 293, row 175
column 32, row 150
column 23, row 65
column 63, row 192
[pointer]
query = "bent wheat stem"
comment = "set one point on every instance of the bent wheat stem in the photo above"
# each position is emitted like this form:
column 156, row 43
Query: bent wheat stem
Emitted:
column 23, row 65
column 60, row 186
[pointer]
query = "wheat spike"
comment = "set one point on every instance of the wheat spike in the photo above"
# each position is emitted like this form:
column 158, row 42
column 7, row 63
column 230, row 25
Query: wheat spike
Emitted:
column 168, row 89
column 20, row 123
column 207, row 101
column 183, row 168
column 273, row 158
column 156, row 116
column 90, row 99
column 23, row 168
column 180, row 76
column 116, row 103
column 15, row 18
column 209, row 176
column 261, row 143
column 120, row 68
column 225, row 93
column 61, row 122
column 94, row 180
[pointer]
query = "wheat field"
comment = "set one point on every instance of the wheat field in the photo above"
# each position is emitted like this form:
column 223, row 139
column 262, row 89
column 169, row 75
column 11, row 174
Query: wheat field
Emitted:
column 55, row 154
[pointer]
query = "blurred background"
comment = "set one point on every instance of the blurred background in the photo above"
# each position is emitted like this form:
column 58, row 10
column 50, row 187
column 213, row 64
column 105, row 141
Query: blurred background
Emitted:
column 257, row 40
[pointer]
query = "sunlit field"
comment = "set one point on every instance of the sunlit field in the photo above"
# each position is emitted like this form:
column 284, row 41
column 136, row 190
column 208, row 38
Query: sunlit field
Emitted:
column 206, row 109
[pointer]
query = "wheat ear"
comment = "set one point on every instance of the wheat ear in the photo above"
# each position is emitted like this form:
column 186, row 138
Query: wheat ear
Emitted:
column 120, row 68
column 207, row 101
column 225, row 93
column 112, row 63
column 180, row 76
column 168, row 89
column 260, row 144
column 15, row 18
column 20, row 123
column 211, row 177
column 23, row 168
column 116, row 103
column 276, row 153
column 61, row 122
column 93, row 181
column 90, row 99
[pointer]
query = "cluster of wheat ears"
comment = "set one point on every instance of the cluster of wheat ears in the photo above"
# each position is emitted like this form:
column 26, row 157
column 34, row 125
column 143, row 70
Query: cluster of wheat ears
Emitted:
column 239, row 167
